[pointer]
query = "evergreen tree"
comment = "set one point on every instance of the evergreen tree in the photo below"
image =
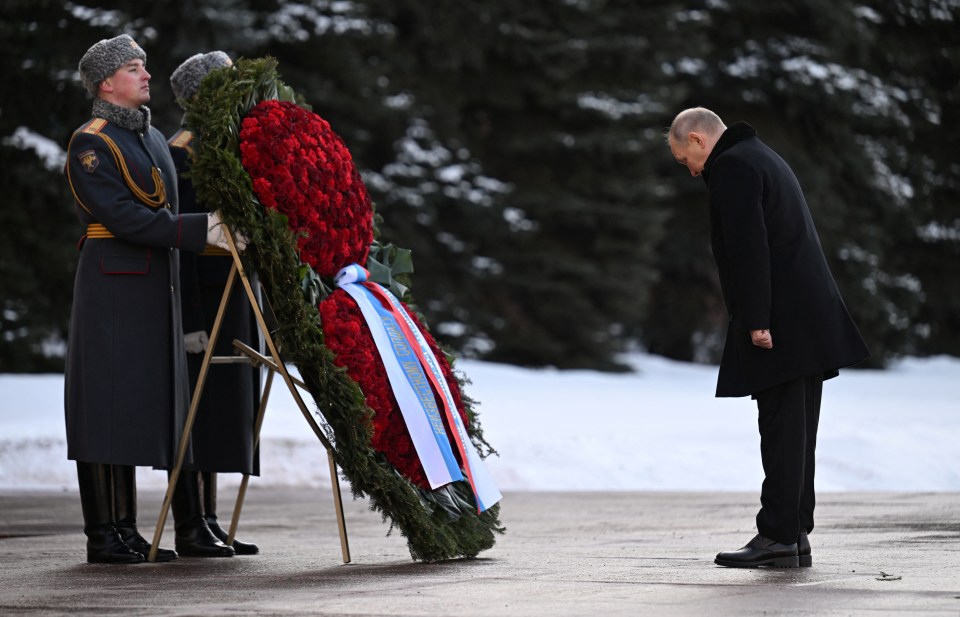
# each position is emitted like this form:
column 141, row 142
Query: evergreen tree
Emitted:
column 800, row 73
column 40, row 104
column 919, row 171
column 536, row 229
column 517, row 148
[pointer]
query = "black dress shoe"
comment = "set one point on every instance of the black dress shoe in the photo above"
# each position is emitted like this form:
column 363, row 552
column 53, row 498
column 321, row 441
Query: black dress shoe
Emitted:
column 132, row 538
column 761, row 552
column 241, row 548
column 104, row 545
column 194, row 539
column 803, row 550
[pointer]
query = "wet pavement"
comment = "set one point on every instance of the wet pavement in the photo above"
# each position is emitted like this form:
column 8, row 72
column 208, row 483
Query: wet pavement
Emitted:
column 635, row 553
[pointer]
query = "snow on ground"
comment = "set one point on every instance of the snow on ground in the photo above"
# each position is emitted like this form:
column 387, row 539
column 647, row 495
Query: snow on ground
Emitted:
column 659, row 428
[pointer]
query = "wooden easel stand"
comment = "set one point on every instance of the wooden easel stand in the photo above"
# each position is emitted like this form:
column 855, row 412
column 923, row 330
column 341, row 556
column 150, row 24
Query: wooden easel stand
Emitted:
column 273, row 364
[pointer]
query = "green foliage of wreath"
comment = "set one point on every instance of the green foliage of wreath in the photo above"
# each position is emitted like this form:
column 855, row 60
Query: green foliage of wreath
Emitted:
column 439, row 524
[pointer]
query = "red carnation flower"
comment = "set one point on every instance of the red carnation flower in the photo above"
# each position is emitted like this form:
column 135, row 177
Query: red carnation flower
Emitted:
column 302, row 169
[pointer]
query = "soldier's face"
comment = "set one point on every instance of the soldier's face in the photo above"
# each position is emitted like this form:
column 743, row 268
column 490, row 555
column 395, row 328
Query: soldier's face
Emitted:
column 129, row 86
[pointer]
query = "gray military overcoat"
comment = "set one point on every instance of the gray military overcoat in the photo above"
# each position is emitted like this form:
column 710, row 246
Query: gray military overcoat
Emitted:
column 126, row 387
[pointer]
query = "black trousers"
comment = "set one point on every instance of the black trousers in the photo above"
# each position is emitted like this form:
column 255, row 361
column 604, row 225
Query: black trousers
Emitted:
column 788, row 417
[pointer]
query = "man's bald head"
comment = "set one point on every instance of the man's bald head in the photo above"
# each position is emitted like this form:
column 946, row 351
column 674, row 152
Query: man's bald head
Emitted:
column 695, row 120
column 692, row 136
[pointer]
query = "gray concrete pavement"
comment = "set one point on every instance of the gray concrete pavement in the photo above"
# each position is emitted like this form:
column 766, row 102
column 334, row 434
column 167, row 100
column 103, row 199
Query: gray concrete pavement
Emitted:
column 563, row 554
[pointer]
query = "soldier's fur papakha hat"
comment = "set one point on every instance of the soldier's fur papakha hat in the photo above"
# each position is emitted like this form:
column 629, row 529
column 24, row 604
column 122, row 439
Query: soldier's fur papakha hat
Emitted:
column 105, row 57
column 185, row 81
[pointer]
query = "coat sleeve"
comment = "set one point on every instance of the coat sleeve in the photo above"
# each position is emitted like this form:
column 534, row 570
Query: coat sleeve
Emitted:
column 102, row 192
column 737, row 188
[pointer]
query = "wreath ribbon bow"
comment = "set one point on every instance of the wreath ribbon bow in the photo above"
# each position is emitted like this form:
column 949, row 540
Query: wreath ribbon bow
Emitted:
column 414, row 375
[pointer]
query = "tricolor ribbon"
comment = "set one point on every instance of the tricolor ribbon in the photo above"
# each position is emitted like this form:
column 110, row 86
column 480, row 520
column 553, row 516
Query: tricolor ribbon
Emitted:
column 414, row 374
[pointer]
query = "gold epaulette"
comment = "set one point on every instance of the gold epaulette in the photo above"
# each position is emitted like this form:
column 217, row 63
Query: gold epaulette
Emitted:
column 182, row 139
column 94, row 126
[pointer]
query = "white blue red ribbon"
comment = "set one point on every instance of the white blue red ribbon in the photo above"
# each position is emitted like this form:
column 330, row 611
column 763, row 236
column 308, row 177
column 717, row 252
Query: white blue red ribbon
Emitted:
column 410, row 385
column 412, row 369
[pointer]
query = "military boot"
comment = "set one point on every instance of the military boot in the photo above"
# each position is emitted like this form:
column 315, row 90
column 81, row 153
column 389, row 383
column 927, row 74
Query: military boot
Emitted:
column 104, row 544
column 125, row 512
column 193, row 536
column 210, row 515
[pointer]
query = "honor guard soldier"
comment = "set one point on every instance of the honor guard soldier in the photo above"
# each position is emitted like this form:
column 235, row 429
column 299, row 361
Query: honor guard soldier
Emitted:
column 126, row 392
column 223, row 432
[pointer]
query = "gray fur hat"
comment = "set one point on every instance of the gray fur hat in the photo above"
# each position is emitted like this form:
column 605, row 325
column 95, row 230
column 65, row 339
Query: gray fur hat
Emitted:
column 185, row 81
column 105, row 57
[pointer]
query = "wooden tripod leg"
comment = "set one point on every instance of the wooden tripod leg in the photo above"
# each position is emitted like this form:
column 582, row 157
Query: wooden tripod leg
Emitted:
column 235, row 520
column 334, row 480
column 192, row 414
column 271, row 364
column 241, row 494
column 291, row 386
column 338, row 506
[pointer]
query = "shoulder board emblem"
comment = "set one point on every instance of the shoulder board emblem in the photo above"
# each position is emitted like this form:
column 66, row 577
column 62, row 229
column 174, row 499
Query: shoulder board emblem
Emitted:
column 94, row 126
column 182, row 139
column 89, row 161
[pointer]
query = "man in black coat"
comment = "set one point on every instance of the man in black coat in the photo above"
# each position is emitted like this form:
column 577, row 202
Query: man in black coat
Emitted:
column 223, row 432
column 788, row 329
column 125, row 376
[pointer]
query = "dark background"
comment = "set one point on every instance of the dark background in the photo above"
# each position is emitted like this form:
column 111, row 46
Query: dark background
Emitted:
column 517, row 148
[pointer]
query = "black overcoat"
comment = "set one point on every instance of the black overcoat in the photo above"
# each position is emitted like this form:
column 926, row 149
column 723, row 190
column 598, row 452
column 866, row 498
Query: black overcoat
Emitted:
column 125, row 379
column 223, row 431
column 773, row 273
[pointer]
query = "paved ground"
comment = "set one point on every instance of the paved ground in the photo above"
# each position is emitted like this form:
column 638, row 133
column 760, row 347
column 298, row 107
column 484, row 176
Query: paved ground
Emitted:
column 563, row 554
